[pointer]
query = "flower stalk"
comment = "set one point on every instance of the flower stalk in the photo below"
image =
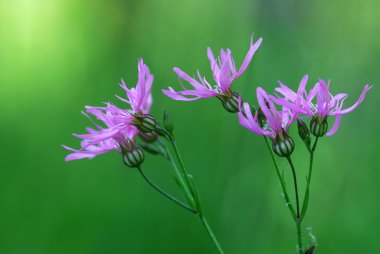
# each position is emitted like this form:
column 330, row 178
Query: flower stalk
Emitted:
column 297, row 217
column 164, row 193
column 192, row 194
column 305, row 202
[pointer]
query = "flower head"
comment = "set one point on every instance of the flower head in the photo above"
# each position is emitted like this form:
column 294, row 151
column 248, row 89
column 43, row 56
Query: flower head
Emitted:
column 319, row 103
column 224, row 73
column 277, row 122
column 275, row 125
column 118, row 132
column 116, row 135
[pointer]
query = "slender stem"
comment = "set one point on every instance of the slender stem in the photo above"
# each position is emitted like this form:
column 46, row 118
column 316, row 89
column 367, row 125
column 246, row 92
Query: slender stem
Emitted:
column 300, row 249
column 295, row 185
column 186, row 175
column 305, row 202
column 211, row 234
column 284, row 191
column 167, row 195
column 315, row 144
column 184, row 186
column 195, row 196
column 179, row 158
column 298, row 218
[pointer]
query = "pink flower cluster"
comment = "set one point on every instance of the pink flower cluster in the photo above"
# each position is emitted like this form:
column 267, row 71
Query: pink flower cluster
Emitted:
column 118, row 132
column 317, row 103
column 277, row 112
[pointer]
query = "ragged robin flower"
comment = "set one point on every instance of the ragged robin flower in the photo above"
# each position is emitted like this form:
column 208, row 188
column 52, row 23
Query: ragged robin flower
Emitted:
column 224, row 73
column 319, row 104
column 119, row 127
column 275, row 125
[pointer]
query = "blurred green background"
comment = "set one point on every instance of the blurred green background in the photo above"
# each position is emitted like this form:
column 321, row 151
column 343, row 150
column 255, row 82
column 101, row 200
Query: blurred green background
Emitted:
column 58, row 55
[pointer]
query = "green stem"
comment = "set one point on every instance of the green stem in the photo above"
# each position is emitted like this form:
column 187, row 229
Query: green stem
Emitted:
column 186, row 175
column 179, row 177
column 165, row 194
column 211, row 234
column 295, row 186
column 300, row 249
column 284, row 190
column 305, row 202
column 195, row 196
column 298, row 218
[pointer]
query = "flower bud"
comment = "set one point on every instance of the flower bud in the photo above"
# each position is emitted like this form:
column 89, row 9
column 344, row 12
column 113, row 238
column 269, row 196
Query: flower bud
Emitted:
column 148, row 137
column 145, row 123
column 318, row 126
column 230, row 103
column 283, row 145
column 133, row 158
column 150, row 148
column 303, row 131
column 168, row 123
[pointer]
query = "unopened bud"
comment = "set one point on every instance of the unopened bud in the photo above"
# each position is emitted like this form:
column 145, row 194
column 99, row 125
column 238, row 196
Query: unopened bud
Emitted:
column 145, row 123
column 230, row 103
column 150, row 148
column 133, row 158
column 318, row 126
column 283, row 145
column 303, row 131
column 168, row 123
column 148, row 137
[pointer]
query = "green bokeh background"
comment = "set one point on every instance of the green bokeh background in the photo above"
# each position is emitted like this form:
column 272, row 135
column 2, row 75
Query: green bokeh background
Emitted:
column 58, row 55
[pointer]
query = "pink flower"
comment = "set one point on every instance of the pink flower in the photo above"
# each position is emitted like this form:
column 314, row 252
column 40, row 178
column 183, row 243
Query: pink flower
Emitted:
column 140, row 97
column 277, row 122
column 224, row 73
column 318, row 103
column 117, row 134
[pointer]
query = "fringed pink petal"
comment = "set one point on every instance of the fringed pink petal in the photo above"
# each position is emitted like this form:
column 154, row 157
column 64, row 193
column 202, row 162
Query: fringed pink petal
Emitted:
column 248, row 57
column 335, row 127
column 214, row 66
column 187, row 78
column 361, row 98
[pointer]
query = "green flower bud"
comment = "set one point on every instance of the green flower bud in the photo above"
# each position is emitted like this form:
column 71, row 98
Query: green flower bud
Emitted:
column 148, row 137
column 133, row 158
column 150, row 148
column 318, row 126
column 303, row 131
column 145, row 123
column 283, row 145
column 230, row 103
column 168, row 123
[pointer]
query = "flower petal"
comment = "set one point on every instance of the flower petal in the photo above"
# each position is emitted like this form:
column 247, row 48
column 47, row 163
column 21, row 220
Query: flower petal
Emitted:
column 335, row 127
column 361, row 98
column 187, row 78
column 249, row 56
